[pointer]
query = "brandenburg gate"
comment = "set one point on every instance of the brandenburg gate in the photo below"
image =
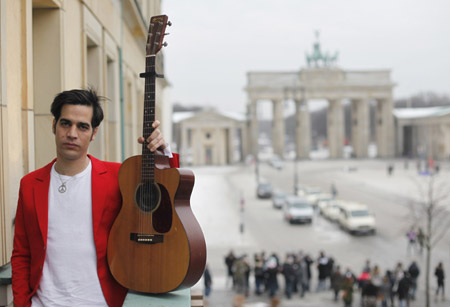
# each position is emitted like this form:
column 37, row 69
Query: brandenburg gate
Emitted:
column 333, row 84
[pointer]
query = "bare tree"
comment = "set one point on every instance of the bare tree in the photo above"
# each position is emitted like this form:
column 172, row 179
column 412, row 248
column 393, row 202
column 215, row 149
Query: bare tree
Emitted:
column 430, row 211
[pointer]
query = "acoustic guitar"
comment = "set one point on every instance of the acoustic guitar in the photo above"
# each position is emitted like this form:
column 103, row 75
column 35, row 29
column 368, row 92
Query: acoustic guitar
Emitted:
column 156, row 244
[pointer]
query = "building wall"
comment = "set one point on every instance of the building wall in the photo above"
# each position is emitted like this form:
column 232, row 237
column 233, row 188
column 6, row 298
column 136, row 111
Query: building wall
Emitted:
column 208, row 138
column 47, row 46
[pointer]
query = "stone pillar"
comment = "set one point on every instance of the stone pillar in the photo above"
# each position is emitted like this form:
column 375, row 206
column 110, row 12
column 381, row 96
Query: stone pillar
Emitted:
column 253, row 128
column 302, row 130
column 360, row 127
column 230, row 141
column 184, row 140
column 244, row 141
column 385, row 128
column 278, row 128
column 335, row 123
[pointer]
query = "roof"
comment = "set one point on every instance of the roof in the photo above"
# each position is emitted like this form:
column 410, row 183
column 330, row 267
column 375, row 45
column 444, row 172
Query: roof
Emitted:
column 410, row 113
column 182, row 116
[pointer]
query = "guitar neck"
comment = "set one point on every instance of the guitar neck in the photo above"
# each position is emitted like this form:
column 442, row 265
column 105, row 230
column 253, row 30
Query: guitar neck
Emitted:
column 148, row 157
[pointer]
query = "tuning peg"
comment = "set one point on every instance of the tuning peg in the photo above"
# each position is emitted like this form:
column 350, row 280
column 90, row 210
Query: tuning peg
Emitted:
column 169, row 23
column 165, row 44
column 166, row 33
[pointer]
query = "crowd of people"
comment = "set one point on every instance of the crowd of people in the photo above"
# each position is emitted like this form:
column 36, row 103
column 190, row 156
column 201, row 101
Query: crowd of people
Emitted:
column 374, row 286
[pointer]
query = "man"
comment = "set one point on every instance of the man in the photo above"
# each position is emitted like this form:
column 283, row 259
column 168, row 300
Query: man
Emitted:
column 65, row 212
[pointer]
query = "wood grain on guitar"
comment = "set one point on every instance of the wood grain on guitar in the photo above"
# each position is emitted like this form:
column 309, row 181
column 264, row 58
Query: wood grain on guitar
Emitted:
column 156, row 244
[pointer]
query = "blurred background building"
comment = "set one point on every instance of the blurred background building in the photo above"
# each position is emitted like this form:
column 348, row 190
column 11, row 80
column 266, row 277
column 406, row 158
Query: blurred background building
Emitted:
column 48, row 46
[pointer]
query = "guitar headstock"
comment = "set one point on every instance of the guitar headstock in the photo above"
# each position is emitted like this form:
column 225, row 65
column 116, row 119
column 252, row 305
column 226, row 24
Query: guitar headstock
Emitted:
column 156, row 33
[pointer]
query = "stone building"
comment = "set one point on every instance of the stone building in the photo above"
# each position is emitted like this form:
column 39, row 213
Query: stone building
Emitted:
column 209, row 137
column 423, row 132
column 47, row 46
column 334, row 85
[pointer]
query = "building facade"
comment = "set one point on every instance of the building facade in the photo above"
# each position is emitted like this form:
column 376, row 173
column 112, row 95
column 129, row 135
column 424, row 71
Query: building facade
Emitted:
column 209, row 137
column 48, row 46
column 423, row 132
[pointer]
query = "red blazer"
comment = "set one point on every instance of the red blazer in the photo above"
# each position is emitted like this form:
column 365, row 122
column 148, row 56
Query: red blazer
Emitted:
column 30, row 238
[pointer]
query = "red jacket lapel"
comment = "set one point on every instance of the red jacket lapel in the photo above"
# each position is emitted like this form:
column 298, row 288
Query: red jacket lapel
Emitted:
column 40, row 190
column 99, row 183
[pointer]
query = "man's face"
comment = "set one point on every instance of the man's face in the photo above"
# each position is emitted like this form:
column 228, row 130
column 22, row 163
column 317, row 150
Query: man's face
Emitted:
column 73, row 132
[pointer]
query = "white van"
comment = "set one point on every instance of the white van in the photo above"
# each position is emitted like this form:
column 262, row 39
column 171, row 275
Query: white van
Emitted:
column 356, row 218
column 297, row 210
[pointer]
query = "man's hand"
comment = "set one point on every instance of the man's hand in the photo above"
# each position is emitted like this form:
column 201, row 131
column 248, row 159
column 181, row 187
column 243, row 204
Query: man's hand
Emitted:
column 155, row 141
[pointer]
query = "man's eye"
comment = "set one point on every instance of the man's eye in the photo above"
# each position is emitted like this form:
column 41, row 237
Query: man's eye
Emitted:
column 64, row 124
column 84, row 128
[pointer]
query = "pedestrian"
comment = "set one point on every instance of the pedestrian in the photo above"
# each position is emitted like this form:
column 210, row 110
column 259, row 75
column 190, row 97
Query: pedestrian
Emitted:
column 337, row 280
column 369, row 294
column 240, row 270
column 207, row 278
column 375, row 275
column 347, row 290
column 272, row 268
column 229, row 262
column 323, row 270
column 367, row 266
column 309, row 262
column 303, row 275
column 363, row 279
column 334, row 190
column 289, row 275
column 390, row 169
column 392, row 286
column 440, row 277
column 403, row 289
column 65, row 212
column 414, row 272
column 411, row 236
column 385, row 290
column 258, row 272
column 421, row 239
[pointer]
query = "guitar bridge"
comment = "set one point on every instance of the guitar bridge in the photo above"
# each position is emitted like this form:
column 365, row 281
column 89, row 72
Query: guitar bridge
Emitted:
column 144, row 238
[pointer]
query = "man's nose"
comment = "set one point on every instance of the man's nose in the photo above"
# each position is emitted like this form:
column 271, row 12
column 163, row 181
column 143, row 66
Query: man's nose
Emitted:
column 72, row 132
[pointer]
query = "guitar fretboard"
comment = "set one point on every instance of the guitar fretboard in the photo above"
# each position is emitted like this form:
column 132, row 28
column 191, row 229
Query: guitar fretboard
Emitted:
column 148, row 157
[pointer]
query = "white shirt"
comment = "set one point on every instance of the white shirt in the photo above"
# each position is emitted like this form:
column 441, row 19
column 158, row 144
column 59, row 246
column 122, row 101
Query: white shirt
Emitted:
column 69, row 276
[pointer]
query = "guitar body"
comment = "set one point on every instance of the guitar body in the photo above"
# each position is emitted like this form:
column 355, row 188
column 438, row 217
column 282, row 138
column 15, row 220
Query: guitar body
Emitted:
column 158, row 248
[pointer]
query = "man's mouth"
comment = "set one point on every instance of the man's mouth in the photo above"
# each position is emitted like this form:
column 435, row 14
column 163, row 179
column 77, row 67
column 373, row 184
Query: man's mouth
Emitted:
column 70, row 145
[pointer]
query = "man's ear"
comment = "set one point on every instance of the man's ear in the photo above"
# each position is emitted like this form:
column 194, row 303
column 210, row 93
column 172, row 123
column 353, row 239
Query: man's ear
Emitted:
column 54, row 126
column 94, row 133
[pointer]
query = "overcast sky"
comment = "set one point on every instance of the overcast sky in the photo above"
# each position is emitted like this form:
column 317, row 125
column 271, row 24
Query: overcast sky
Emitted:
column 214, row 43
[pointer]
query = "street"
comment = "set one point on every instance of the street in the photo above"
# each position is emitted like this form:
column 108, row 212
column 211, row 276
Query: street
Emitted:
column 217, row 201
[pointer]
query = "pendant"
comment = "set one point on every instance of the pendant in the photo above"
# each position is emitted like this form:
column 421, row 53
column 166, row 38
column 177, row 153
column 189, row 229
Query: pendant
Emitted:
column 62, row 188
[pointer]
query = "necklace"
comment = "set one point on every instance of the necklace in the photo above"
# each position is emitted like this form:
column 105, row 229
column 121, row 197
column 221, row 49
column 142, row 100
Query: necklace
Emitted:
column 62, row 188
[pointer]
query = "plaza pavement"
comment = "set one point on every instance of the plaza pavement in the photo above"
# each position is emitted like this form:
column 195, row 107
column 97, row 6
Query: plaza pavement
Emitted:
column 220, row 223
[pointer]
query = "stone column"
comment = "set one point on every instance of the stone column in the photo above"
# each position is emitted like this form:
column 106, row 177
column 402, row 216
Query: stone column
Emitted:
column 253, row 128
column 360, row 127
column 184, row 140
column 385, row 128
column 302, row 130
column 278, row 128
column 244, row 141
column 335, row 122
column 231, row 131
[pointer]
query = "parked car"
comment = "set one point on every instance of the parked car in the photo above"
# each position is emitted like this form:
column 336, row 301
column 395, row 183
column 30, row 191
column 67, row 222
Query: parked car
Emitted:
column 264, row 190
column 297, row 210
column 315, row 198
column 276, row 162
column 278, row 199
column 356, row 218
column 332, row 210
column 303, row 190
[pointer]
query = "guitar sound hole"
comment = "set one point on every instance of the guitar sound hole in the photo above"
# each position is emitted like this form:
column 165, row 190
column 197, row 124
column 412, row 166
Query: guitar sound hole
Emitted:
column 148, row 197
